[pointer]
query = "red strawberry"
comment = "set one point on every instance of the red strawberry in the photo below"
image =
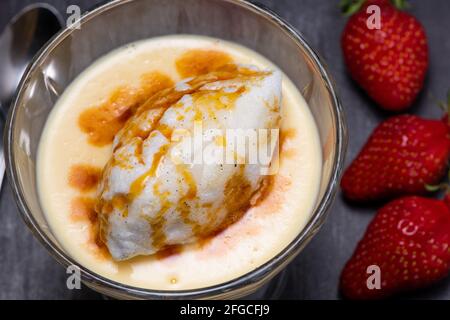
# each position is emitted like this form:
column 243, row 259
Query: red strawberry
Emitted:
column 389, row 63
column 409, row 240
column 402, row 156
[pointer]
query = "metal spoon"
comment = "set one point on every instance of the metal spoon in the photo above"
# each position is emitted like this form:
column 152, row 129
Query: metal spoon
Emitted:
column 21, row 39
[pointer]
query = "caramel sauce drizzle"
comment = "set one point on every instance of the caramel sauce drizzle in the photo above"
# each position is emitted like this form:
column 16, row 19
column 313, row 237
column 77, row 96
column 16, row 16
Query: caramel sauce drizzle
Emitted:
column 200, row 61
column 161, row 101
column 125, row 111
column 237, row 195
column 216, row 100
column 183, row 205
column 139, row 184
column 101, row 123
column 286, row 135
column 168, row 97
column 84, row 177
column 169, row 251
column 120, row 202
column 139, row 151
column 83, row 209
column 158, row 237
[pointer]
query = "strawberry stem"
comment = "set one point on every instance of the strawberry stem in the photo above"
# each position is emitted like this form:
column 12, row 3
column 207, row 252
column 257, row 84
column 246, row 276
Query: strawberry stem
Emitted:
column 443, row 105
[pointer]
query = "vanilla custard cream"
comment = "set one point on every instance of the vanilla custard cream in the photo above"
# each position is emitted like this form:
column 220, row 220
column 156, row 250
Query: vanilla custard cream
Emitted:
column 90, row 132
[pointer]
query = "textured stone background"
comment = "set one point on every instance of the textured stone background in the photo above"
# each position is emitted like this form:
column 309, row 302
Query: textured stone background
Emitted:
column 28, row 272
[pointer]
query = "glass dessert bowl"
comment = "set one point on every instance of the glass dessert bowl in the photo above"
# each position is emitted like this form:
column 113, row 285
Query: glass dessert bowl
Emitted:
column 123, row 22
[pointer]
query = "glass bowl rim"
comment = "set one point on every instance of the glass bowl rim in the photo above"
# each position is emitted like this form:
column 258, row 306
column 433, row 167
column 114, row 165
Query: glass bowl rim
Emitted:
column 253, row 277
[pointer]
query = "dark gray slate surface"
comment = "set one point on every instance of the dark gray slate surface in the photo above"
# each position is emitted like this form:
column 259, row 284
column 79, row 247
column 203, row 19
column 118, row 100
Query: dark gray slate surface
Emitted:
column 28, row 272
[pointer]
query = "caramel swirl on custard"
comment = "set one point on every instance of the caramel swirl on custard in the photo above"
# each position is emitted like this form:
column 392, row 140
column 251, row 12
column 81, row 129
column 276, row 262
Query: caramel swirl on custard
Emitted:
column 196, row 62
column 101, row 123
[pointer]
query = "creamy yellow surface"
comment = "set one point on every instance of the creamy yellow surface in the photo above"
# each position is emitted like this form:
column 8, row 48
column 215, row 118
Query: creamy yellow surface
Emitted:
column 263, row 231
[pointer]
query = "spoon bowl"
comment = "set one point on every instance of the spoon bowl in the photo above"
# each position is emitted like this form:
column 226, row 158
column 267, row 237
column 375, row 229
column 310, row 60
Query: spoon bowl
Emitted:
column 23, row 36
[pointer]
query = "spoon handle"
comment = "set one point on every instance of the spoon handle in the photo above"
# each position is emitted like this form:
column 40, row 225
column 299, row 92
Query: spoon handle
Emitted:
column 2, row 164
column 2, row 155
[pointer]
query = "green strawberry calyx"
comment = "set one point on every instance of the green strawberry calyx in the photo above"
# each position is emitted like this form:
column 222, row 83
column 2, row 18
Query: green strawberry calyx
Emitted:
column 445, row 106
column 349, row 7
